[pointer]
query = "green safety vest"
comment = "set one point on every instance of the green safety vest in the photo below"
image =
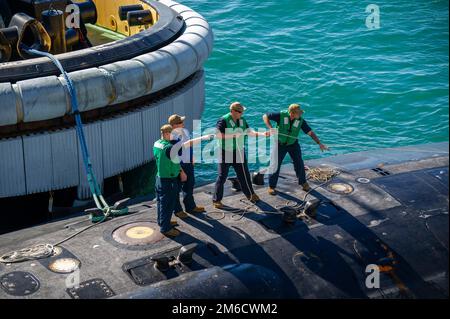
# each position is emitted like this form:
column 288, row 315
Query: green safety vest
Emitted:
column 165, row 166
column 232, row 127
column 285, row 128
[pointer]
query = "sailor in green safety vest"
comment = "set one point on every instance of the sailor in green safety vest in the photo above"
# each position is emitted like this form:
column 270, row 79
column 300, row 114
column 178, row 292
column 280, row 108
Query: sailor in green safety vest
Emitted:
column 167, row 181
column 289, row 124
column 169, row 176
column 231, row 131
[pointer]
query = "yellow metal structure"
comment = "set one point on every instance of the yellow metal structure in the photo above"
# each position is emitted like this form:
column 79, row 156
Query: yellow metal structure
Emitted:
column 139, row 232
column 108, row 16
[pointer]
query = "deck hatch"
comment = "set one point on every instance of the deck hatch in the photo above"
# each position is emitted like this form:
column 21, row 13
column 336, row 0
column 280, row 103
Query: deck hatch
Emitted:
column 143, row 271
column 19, row 283
column 91, row 289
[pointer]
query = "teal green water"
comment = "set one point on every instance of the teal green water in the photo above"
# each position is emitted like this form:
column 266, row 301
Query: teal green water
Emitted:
column 361, row 89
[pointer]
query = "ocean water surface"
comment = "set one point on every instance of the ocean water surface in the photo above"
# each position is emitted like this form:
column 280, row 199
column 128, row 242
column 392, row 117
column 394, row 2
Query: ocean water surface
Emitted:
column 361, row 88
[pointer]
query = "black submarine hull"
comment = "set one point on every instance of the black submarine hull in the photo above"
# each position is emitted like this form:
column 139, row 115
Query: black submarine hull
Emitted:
column 394, row 219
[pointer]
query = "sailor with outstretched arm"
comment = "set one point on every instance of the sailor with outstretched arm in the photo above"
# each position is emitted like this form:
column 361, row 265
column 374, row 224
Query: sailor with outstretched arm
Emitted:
column 169, row 176
column 231, row 131
column 181, row 134
column 289, row 124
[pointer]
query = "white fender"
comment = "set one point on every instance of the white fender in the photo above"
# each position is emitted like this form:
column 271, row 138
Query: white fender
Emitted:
column 201, row 27
column 162, row 67
column 42, row 98
column 131, row 79
column 185, row 57
column 94, row 88
column 169, row 3
column 198, row 44
column 47, row 98
column 180, row 8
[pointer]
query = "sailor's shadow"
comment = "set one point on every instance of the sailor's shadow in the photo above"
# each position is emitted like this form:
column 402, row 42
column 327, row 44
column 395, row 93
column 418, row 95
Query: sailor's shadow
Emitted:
column 236, row 239
column 264, row 206
column 288, row 197
column 325, row 259
column 319, row 255
column 373, row 247
column 245, row 249
column 229, row 209
column 244, row 205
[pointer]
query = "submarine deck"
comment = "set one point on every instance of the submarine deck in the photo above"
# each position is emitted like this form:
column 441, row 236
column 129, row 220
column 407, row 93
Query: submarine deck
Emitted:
column 395, row 217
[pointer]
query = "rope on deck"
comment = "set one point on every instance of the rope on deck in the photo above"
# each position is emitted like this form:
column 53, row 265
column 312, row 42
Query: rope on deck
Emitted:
column 322, row 175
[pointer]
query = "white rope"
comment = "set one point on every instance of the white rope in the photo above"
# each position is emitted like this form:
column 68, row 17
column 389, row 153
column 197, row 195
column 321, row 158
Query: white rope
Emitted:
column 321, row 175
column 31, row 253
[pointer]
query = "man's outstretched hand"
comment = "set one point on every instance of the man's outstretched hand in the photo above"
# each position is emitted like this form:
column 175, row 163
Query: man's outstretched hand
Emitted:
column 323, row 147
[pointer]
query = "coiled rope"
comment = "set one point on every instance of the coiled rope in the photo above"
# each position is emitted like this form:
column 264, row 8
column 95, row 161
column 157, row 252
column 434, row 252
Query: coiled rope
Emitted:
column 322, row 174
column 35, row 252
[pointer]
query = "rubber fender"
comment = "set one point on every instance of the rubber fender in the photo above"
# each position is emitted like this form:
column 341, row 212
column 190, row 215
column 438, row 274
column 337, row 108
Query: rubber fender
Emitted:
column 200, row 23
column 206, row 34
column 180, row 8
column 168, row 3
column 42, row 98
column 131, row 79
column 193, row 21
column 94, row 88
column 165, row 30
column 198, row 44
column 236, row 281
column 185, row 57
column 162, row 67
column 29, row 27
column 189, row 14
column 197, row 19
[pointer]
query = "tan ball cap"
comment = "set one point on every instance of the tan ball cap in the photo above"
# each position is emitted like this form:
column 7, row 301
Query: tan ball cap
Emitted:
column 176, row 119
column 236, row 106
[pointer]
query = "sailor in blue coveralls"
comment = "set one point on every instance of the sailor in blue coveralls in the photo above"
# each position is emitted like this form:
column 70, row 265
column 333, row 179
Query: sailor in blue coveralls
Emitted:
column 181, row 134
column 290, row 123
